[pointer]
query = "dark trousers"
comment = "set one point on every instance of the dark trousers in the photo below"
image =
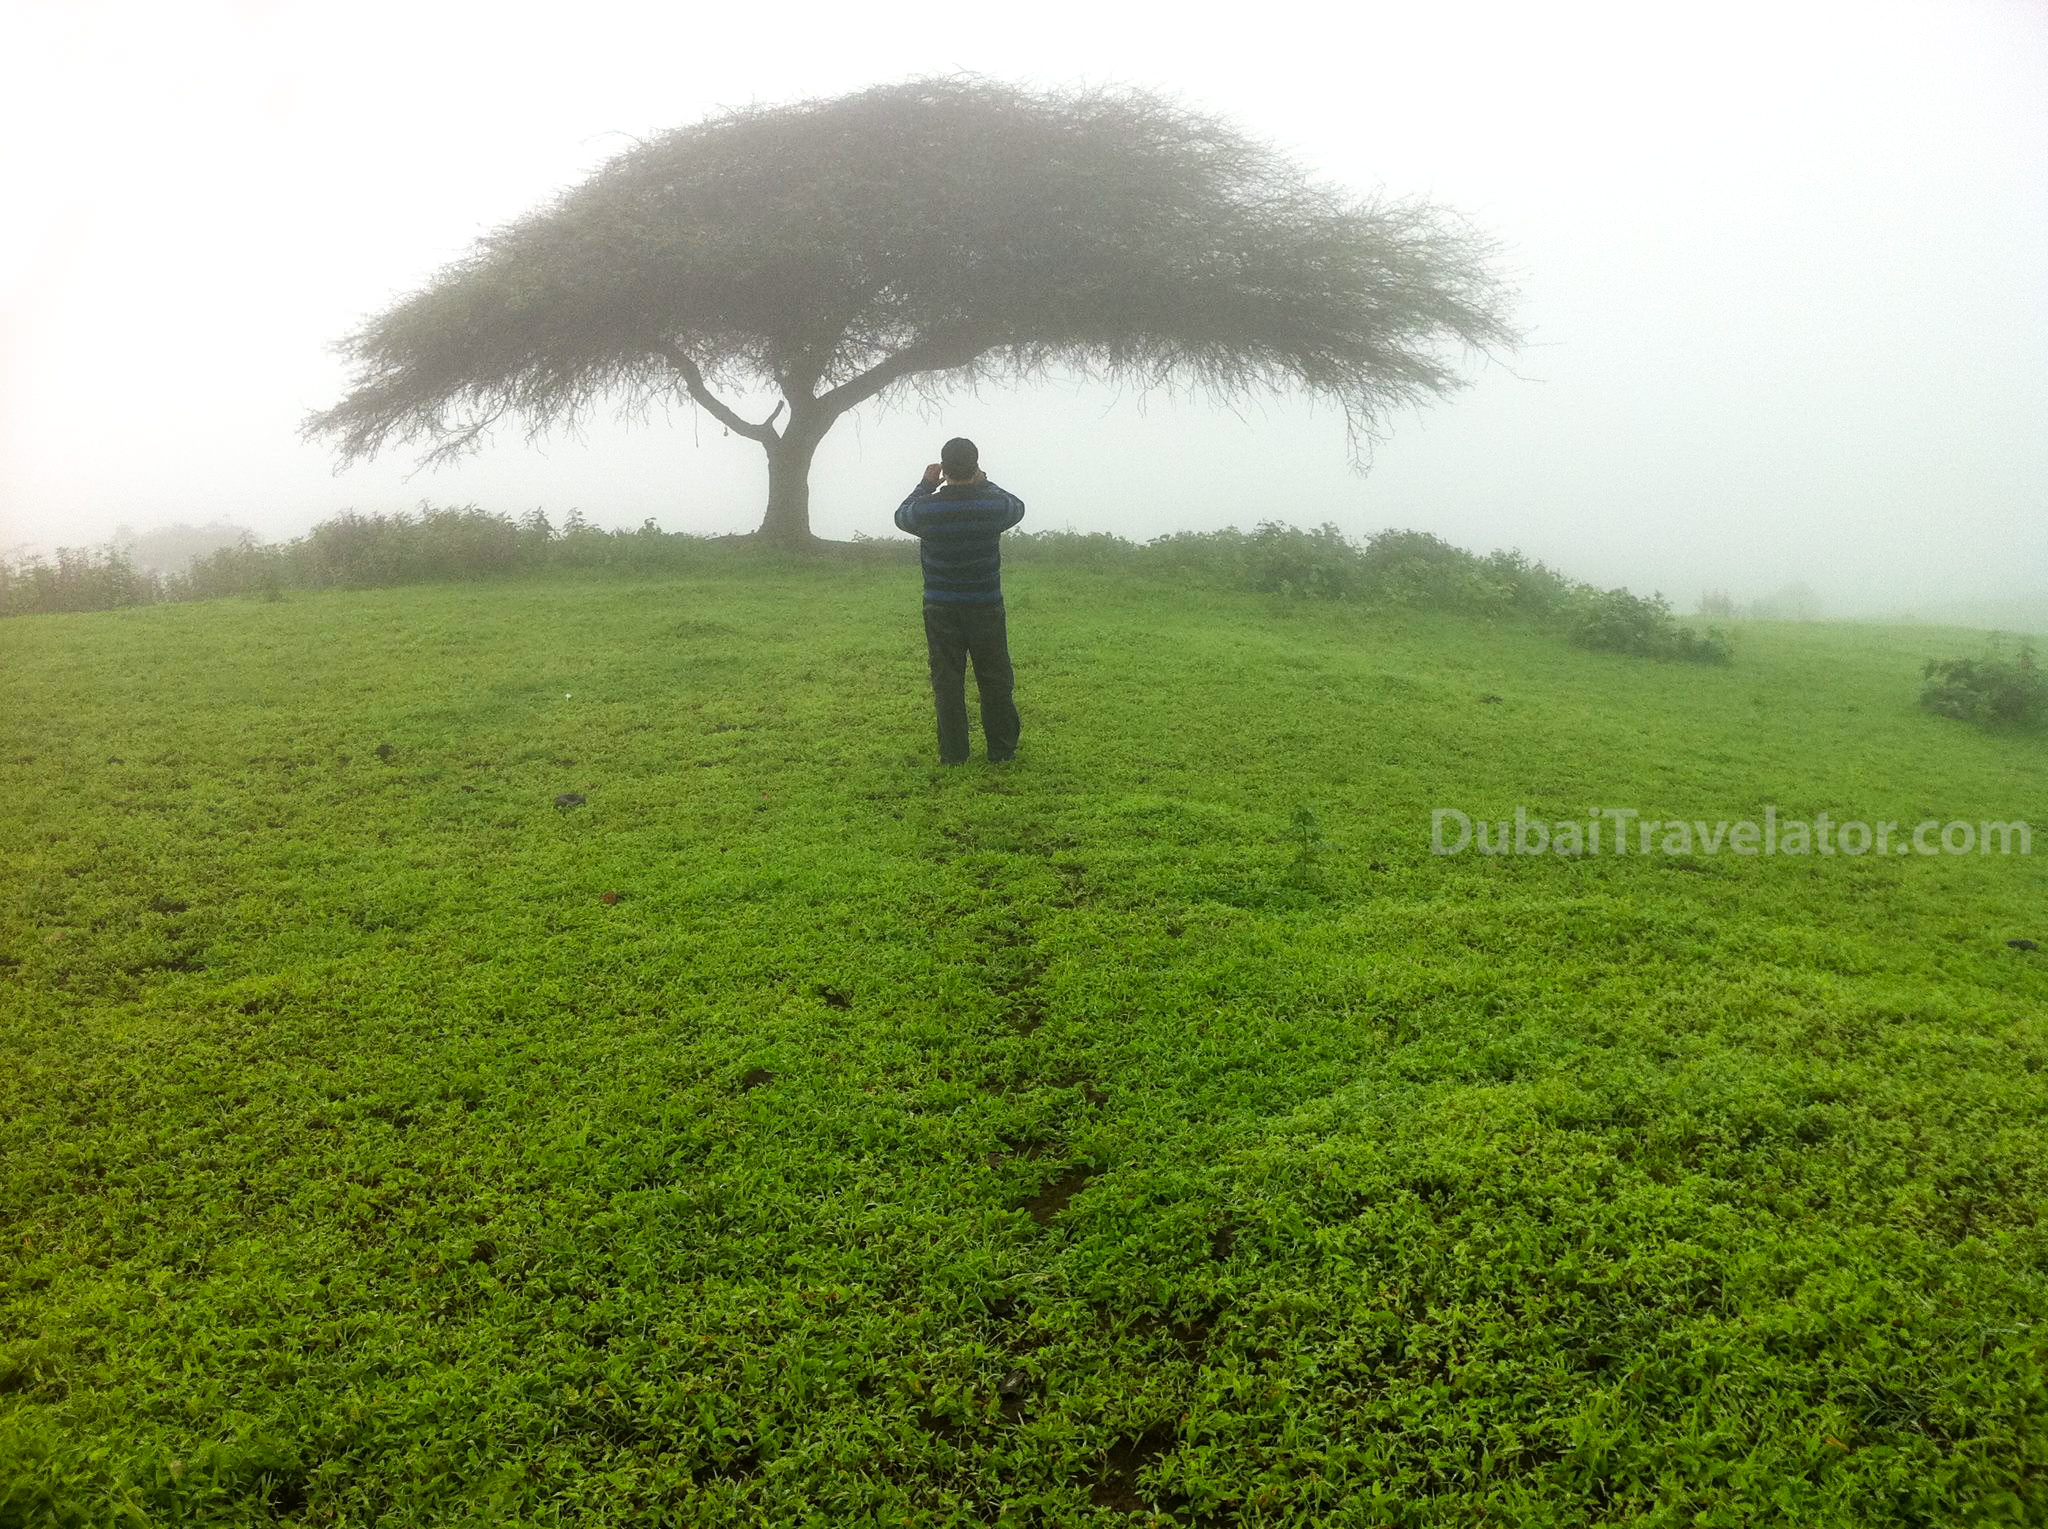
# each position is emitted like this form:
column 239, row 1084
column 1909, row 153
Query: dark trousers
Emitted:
column 953, row 634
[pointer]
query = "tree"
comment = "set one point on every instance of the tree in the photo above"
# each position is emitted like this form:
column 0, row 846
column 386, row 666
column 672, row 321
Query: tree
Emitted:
column 909, row 238
column 174, row 548
column 1794, row 602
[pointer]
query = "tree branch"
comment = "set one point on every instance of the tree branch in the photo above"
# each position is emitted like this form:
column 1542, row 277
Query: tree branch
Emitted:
column 452, row 443
column 934, row 354
column 693, row 379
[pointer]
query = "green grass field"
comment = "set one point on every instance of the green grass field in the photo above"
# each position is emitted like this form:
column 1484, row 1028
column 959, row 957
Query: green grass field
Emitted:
column 1023, row 1145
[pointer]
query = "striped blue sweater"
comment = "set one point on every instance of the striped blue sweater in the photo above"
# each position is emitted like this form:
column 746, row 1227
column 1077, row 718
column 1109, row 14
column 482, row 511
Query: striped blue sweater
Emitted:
column 957, row 527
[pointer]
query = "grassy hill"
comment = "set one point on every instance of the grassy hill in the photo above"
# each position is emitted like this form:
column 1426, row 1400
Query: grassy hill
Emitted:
column 794, row 1132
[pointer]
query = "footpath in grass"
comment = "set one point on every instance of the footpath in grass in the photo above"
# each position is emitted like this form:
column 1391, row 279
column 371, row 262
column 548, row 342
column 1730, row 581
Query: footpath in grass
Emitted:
column 562, row 1053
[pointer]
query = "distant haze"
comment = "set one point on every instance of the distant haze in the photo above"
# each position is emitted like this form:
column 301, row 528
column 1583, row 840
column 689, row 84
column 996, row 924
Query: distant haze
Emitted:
column 1785, row 269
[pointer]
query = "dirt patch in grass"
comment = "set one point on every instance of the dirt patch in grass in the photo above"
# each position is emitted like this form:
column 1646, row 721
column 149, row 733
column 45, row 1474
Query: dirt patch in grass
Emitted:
column 1117, row 1487
column 742, row 1465
column 1049, row 1202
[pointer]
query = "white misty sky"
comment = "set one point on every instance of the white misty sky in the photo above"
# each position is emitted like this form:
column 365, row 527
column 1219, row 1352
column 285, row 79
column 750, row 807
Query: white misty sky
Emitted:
column 1785, row 269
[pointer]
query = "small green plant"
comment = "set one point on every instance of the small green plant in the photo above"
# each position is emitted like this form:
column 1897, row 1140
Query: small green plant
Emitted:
column 1993, row 691
column 1305, row 833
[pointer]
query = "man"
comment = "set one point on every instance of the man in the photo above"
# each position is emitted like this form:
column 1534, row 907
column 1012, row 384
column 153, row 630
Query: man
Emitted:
column 956, row 514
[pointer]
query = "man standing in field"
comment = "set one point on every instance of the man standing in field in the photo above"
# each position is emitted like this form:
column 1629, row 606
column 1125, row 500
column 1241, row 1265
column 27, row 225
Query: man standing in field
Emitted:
column 957, row 515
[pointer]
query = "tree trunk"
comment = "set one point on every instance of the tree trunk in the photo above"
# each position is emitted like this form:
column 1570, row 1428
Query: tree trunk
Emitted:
column 788, row 521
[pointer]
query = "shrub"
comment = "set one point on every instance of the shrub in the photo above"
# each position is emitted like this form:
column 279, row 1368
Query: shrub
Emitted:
column 77, row 579
column 1200, row 557
column 1410, row 569
column 1319, row 564
column 881, row 549
column 1533, row 589
column 352, row 551
column 1083, row 549
column 1994, row 691
column 1795, row 602
column 1414, row 568
column 247, row 567
column 1615, row 621
column 172, row 549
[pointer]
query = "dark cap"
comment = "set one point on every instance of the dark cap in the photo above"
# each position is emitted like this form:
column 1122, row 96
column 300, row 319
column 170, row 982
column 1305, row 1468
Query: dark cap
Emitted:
column 960, row 457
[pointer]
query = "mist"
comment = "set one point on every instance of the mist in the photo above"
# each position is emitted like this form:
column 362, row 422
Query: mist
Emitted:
column 1781, row 271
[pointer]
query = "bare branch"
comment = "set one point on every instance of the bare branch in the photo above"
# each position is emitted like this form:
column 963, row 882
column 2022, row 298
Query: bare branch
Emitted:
column 930, row 355
column 693, row 379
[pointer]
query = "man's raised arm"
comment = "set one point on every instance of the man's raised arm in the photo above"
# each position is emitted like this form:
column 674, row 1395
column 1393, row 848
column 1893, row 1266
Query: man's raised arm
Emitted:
column 906, row 512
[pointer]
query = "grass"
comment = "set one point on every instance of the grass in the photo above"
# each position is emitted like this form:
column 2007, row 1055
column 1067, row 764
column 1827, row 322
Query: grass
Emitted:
column 797, row 1133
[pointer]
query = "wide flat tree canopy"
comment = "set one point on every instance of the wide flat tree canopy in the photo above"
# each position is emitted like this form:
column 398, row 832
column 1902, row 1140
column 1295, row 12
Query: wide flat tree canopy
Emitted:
column 927, row 234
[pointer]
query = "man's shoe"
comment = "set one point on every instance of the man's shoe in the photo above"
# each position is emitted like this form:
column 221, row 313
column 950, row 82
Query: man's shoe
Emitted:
column 960, row 761
column 1001, row 758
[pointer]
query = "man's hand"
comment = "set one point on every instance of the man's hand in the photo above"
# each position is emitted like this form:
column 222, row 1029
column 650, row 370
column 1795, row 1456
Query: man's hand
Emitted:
column 979, row 476
column 932, row 474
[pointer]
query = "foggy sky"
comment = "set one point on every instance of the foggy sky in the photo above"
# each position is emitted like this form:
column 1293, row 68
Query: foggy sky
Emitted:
column 1784, row 268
